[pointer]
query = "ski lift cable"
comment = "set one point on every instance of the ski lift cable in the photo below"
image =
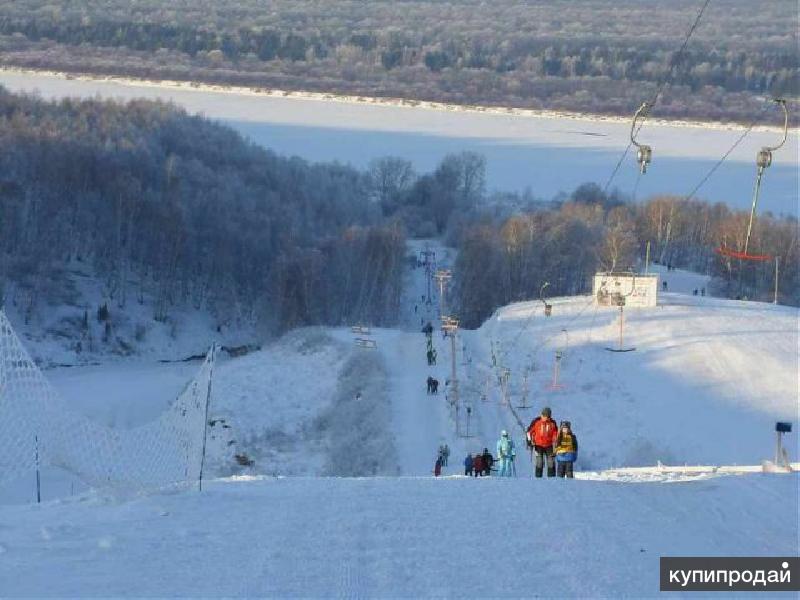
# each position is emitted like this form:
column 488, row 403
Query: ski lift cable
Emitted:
column 648, row 106
column 543, row 341
column 498, row 369
column 763, row 160
column 725, row 156
column 523, row 329
column 530, row 317
column 575, row 317
column 547, row 339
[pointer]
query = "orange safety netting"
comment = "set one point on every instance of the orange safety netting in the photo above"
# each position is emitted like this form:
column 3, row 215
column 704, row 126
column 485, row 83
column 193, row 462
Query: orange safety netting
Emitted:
column 741, row 255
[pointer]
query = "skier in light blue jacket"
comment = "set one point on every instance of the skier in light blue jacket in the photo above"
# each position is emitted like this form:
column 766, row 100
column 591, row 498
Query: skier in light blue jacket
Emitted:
column 505, row 454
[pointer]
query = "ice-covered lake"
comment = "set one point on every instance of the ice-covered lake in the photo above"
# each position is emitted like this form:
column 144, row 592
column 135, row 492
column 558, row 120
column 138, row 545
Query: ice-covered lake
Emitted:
column 548, row 155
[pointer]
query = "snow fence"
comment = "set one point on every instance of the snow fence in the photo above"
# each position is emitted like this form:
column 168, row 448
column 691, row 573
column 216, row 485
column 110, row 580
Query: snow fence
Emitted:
column 36, row 424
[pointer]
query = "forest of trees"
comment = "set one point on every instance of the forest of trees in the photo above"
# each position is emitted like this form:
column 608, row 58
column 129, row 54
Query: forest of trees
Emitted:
column 507, row 258
column 181, row 211
column 597, row 56
column 176, row 211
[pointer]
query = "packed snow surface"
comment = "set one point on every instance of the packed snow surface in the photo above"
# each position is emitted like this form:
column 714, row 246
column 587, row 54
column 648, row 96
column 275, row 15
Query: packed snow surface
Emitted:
column 391, row 537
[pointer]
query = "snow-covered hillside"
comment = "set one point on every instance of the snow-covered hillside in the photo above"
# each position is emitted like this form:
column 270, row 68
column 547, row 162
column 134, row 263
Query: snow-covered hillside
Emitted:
column 65, row 328
column 705, row 384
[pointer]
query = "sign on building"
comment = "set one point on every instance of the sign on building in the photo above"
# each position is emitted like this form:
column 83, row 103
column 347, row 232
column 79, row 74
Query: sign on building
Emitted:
column 632, row 289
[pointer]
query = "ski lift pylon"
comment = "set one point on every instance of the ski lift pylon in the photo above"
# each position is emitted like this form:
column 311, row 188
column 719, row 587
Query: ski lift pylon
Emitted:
column 621, row 300
column 763, row 160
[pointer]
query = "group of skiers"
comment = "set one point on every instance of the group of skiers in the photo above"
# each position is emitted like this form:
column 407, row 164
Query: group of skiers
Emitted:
column 479, row 465
column 552, row 443
column 433, row 385
column 431, row 355
column 441, row 459
column 555, row 445
column 431, row 351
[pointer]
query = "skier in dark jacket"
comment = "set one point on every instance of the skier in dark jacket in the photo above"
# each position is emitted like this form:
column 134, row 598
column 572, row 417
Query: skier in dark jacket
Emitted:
column 468, row 465
column 488, row 461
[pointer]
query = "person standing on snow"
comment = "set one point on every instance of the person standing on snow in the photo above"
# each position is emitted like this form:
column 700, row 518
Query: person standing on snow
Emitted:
column 542, row 434
column 428, row 330
column 445, row 454
column 566, row 450
column 477, row 465
column 468, row 465
column 505, row 454
column 437, row 467
column 488, row 460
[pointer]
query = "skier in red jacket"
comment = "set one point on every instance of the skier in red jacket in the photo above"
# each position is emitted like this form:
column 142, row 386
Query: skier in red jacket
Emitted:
column 542, row 434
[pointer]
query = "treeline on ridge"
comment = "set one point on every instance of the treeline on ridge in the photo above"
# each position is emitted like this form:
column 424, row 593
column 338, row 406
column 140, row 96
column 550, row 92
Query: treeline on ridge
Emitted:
column 595, row 56
column 508, row 257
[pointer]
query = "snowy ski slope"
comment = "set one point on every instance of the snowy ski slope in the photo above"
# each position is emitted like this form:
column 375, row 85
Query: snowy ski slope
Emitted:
column 391, row 537
column 705, row 385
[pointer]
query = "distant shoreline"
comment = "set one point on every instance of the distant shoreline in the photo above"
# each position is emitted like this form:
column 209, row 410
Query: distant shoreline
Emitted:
column 374, row 101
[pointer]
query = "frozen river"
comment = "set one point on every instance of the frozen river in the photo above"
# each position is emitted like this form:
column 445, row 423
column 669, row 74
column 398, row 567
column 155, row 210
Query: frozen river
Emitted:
column 548, row 155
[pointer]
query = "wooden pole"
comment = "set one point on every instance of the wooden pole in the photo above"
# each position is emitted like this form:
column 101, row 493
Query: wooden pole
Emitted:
column 647, row 259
